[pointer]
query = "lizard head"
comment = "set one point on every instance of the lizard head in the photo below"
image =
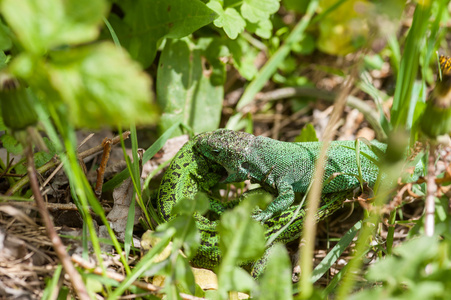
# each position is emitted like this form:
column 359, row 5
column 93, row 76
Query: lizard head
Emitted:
column 228, row 148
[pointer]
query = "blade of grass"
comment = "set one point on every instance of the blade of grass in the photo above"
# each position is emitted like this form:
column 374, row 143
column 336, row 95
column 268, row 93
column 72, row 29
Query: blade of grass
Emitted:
column 81, row 190
column 332, row 256
column 335, row 253
column 118, row 178
column 391, row 231
column 52, row 285
column 409, row 65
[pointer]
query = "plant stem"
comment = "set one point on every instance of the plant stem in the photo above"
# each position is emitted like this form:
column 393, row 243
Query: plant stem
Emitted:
column 58, row 245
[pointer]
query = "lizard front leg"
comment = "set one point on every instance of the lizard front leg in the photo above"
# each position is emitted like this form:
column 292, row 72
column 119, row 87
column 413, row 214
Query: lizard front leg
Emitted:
column 281, row 203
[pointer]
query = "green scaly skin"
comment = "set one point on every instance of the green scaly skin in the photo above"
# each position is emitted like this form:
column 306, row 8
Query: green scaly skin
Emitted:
column 190, row 173
column 285, row 168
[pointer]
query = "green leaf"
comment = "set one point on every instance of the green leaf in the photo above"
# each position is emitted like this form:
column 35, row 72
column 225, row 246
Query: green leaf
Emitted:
column 188, row 206
column 41, row 157
column 229, row 19
column 185, row 92
column 184, row 276
column 11, row 144
column 244, row 233
column 243, row 57
column 241, row 280
column 259, row 10
column 5, row 36
column 276, row 281
column 99, row 84
column 51, row 147
column 3, row 60
column 411, row 258
column 186, row 233
column 2, row 124
column 263, row 28
column 242, row 239
column 42, row 25
column 308, row 134
column 147, row 22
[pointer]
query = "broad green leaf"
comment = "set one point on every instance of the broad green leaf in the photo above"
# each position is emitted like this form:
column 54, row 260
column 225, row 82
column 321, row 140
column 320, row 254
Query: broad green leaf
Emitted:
column 188, row 206
column 259, row 10
column 5, row 40
column 244, row 233
column 44, row 24
column 2, row 124
column 411, row 257
column 276, row 281
column 184, row 276
column 186, row 233
column 146, row 22
column 229, row 19
column 419, row 269
column 263, row 28
column 243, row 57
column 237, row 280
column 11, row 144
column 241, row 280
column 308, row 134
column 41, row 157
column 185, row 90
column 242, row 239
column 99, row 84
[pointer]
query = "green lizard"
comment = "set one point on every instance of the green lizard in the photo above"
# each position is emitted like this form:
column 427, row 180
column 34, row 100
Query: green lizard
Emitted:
column 190, row 173
column 280, row 167
column 284, row 167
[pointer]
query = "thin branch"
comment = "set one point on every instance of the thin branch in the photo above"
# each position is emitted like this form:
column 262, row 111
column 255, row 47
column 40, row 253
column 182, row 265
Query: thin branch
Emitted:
column 107, row 144
column 53, row 162
column 54, row 206
column 58, row 245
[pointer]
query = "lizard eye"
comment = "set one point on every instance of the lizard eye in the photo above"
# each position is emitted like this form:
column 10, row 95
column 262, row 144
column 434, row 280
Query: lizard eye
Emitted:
column 215, row 152
column 245, row 165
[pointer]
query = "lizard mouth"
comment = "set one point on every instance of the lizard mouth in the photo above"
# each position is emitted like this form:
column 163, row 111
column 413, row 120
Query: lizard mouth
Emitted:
column 223, row 172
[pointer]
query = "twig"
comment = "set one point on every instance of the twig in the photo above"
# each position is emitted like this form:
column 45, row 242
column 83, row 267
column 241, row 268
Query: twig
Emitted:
column 98, row 148
column 54, row 206
column 11, row 175
column 53, row 162
column 107, row 144
column 10, row 162
column 58, row 245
